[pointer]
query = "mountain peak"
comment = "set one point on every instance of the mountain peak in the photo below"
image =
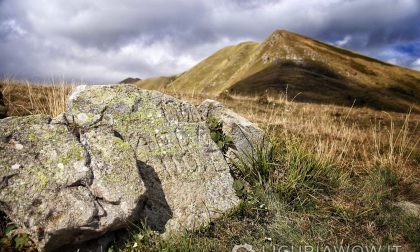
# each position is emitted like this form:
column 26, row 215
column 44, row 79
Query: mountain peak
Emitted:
column 283, row 34
column 278, row 34
column 284, row 41
column 130, row 80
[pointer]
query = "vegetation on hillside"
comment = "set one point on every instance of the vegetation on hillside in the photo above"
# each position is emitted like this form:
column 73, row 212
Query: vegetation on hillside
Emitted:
column 156, row 83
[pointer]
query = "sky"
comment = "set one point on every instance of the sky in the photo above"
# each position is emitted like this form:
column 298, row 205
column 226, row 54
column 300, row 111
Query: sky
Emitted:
column 105, row 41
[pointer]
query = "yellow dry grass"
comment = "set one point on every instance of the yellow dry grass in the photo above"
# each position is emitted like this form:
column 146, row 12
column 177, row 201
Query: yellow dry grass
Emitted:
column 25, row 98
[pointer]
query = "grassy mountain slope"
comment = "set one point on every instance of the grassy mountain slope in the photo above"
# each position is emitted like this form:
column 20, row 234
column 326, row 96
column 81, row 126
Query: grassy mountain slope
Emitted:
column 308, row 69
column 156, row 83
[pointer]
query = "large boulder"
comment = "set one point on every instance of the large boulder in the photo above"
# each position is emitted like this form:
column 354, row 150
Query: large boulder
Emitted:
column 187, row 179
column 245, row 138
column 119, row 154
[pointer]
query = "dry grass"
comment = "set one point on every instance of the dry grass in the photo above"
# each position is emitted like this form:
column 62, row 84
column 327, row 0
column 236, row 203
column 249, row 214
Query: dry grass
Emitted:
column 351, row 137
column 25, row 98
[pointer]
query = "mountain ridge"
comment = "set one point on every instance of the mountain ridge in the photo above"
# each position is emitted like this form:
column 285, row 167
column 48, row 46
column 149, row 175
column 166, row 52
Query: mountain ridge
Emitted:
column 310, row 71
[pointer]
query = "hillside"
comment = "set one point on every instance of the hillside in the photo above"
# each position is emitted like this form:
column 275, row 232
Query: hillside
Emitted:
column 157, row 83
column 304, row 69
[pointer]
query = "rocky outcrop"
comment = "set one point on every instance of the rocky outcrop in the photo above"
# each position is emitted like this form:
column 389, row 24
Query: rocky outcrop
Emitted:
column 3, row 109
column 245, row 137
column 119, row 154
column 409, row 208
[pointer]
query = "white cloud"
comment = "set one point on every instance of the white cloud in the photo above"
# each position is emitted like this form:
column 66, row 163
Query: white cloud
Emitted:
column 9, row 29
column 416, row 64
column 343, row 42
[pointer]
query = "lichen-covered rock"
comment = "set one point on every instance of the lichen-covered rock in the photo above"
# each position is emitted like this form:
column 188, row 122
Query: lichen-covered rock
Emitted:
column 186, row 177
column 55, row 190
column 117, row 155
column 246, row 137
column 3, row 109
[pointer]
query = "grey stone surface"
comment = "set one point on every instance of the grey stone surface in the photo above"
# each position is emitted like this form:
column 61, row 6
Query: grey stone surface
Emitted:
column 187, row 179
column 119, row 154
column 409, row 208
column 245, row 135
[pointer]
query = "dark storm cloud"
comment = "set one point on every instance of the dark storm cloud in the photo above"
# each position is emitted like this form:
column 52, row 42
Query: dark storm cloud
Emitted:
column 105, row 41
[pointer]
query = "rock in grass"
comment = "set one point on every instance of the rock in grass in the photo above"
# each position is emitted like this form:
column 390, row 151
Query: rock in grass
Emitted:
column 242, row 138
column 409, row 208
column 118, row 155
column 187, row 179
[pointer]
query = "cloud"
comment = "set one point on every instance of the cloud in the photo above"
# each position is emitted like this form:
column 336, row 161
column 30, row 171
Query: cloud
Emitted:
column 9, row 29
column 416, row 64
column 106, row 41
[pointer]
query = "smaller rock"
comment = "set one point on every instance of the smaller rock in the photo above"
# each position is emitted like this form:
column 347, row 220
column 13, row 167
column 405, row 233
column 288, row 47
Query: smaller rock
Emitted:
column 263, row 99
column 246, row 136
column 18, row 146
column 243, row 248
column 16, row 166
column 225, row 95
column 409, row 208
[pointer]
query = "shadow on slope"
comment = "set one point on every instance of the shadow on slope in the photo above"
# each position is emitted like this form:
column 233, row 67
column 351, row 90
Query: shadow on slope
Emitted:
column 316, row 83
